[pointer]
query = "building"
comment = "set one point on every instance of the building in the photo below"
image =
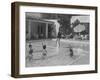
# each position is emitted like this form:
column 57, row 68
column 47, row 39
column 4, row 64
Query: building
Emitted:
column 41, row 28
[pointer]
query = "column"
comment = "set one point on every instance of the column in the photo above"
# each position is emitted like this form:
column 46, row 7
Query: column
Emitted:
column 46, row 30
column 29, row 28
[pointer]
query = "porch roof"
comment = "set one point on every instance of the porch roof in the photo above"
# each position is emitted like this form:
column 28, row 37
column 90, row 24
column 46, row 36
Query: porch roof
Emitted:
column 40, row 20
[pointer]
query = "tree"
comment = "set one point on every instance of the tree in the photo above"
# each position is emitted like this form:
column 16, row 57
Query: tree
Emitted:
column 63, row 19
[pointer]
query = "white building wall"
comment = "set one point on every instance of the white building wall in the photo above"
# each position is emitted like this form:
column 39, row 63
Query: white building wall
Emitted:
column 84, row 19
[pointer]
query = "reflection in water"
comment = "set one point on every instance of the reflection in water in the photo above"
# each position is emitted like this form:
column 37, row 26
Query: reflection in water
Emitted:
column 57, row 48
